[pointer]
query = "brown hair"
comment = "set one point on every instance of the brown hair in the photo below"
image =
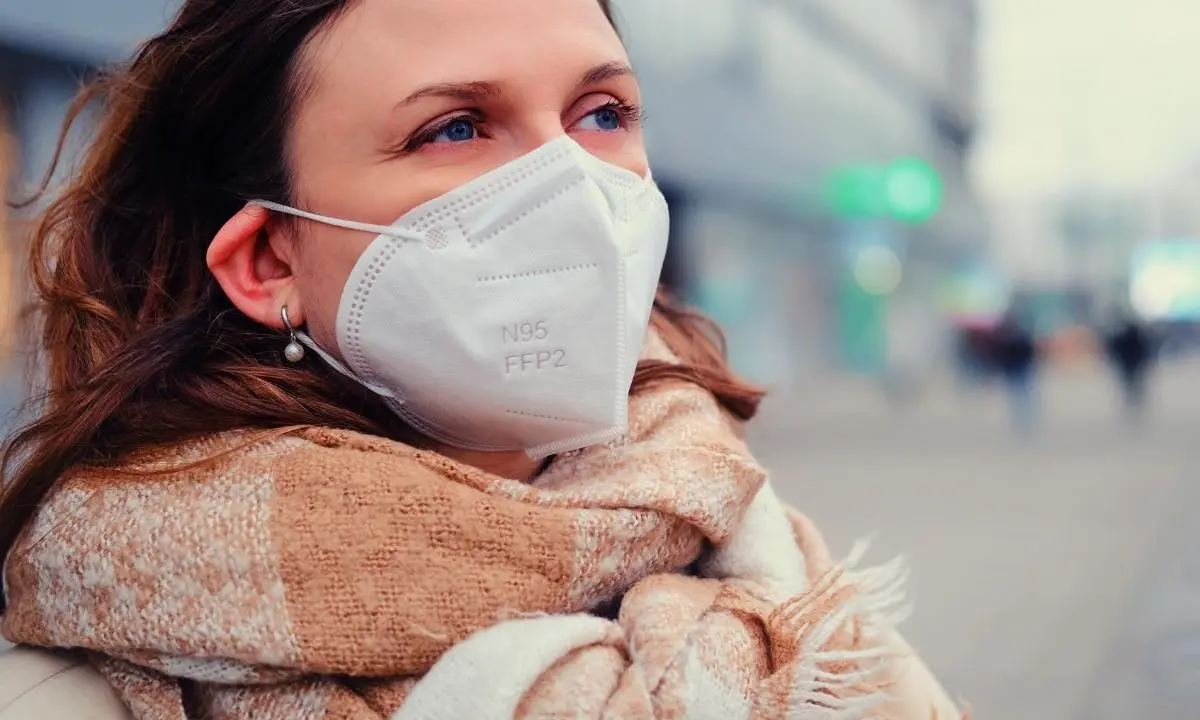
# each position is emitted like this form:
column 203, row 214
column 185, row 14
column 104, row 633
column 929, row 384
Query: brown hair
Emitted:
column 142, row 348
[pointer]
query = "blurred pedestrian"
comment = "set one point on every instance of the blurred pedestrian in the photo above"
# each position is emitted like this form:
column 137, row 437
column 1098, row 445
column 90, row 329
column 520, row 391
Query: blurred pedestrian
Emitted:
column 964, row 370
column 1015, row 357
column 972, row 356
column 1130, row 349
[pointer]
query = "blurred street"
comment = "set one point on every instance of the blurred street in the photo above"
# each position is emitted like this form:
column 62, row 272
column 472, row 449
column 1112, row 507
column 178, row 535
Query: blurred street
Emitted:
column 1050, row 578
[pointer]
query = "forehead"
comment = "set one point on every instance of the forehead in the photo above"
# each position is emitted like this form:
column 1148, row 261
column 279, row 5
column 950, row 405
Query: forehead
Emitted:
column 387, row 47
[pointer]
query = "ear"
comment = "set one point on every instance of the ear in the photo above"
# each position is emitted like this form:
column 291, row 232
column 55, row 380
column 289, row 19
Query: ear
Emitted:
column 257, row 279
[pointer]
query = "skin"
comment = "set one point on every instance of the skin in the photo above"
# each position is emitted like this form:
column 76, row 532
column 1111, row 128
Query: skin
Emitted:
column 369, row 140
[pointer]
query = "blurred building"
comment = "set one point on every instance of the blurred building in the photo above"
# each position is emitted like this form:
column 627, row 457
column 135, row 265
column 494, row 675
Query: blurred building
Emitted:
column 9, row 297
column 47, row 47
column 1172, row 208
column 755, row 110
column 1161, row 260
column 1101, row 244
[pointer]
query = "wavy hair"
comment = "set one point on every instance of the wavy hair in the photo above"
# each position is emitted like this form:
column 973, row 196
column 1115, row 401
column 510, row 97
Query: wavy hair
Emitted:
column 140, row 345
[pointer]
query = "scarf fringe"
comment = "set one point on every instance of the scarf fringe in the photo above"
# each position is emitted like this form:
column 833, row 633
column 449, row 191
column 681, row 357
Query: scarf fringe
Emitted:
column 833, row 682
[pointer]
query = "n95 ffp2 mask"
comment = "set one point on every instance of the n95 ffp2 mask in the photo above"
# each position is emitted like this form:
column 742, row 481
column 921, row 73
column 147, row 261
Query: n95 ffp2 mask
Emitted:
column 509, row 314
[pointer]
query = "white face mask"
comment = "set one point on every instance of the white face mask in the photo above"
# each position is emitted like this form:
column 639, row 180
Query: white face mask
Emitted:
column 509, row 314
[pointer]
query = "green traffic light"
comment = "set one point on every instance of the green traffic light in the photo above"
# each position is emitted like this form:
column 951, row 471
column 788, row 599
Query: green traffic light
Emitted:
column 854, row 192
column 912, row 190
column 908, row 190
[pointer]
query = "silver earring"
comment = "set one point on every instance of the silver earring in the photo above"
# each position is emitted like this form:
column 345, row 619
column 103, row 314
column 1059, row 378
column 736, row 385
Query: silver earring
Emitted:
column 294, row 352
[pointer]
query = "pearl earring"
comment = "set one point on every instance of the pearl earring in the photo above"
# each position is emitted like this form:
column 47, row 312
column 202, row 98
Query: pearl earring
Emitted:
column 294, row 352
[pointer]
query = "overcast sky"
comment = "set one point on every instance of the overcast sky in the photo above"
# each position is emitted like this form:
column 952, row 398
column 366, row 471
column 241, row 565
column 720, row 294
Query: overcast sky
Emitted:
column 1100, row 92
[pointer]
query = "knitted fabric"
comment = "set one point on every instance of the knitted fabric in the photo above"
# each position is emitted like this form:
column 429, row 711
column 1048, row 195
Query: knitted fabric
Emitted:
column 315, row 574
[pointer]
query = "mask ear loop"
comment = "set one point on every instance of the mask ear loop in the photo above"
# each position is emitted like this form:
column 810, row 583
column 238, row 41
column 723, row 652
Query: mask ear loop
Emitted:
column 338, row 222
column 294, row 353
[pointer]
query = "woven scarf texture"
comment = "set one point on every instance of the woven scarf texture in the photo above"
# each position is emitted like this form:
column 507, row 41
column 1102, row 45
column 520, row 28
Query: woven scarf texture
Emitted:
column 314, row 574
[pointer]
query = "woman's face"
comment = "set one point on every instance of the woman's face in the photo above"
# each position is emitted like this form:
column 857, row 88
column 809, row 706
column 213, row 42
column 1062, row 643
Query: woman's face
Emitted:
column 408, row 99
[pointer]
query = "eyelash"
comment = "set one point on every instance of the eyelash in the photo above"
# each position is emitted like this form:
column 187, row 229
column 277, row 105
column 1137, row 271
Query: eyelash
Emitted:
column 631, row 116
column 427, row 135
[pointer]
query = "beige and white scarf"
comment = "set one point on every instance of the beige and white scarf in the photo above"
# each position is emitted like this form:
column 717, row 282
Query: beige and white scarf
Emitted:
column 315, row 574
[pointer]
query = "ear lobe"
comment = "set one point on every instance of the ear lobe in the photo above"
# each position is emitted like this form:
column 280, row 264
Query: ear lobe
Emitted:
column 253, row 276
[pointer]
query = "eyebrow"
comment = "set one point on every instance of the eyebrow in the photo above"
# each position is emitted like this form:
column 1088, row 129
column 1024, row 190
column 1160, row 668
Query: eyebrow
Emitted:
column 466, row 91
column 601, row 73
column 483, row 90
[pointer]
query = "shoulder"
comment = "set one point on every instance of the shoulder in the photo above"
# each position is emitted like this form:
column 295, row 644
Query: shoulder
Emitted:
column 220, row 483
column 202, row 518
column 232, row 466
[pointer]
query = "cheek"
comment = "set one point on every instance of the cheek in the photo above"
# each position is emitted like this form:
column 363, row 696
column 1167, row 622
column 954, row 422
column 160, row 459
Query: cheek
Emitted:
column 322, row 267
column 625, row 150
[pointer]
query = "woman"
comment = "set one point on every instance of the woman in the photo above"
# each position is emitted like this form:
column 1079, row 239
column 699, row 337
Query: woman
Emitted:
column 303, row 459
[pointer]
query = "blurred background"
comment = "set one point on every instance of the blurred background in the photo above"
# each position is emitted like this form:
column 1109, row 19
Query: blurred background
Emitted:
column 959, row 241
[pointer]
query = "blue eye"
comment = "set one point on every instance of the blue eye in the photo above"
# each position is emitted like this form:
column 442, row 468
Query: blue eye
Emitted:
column 606, row 119
column 457, row 131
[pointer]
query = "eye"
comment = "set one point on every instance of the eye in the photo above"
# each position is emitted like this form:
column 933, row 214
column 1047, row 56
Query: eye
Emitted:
column 605, row 119
column 451, row 131
column 458, row 130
